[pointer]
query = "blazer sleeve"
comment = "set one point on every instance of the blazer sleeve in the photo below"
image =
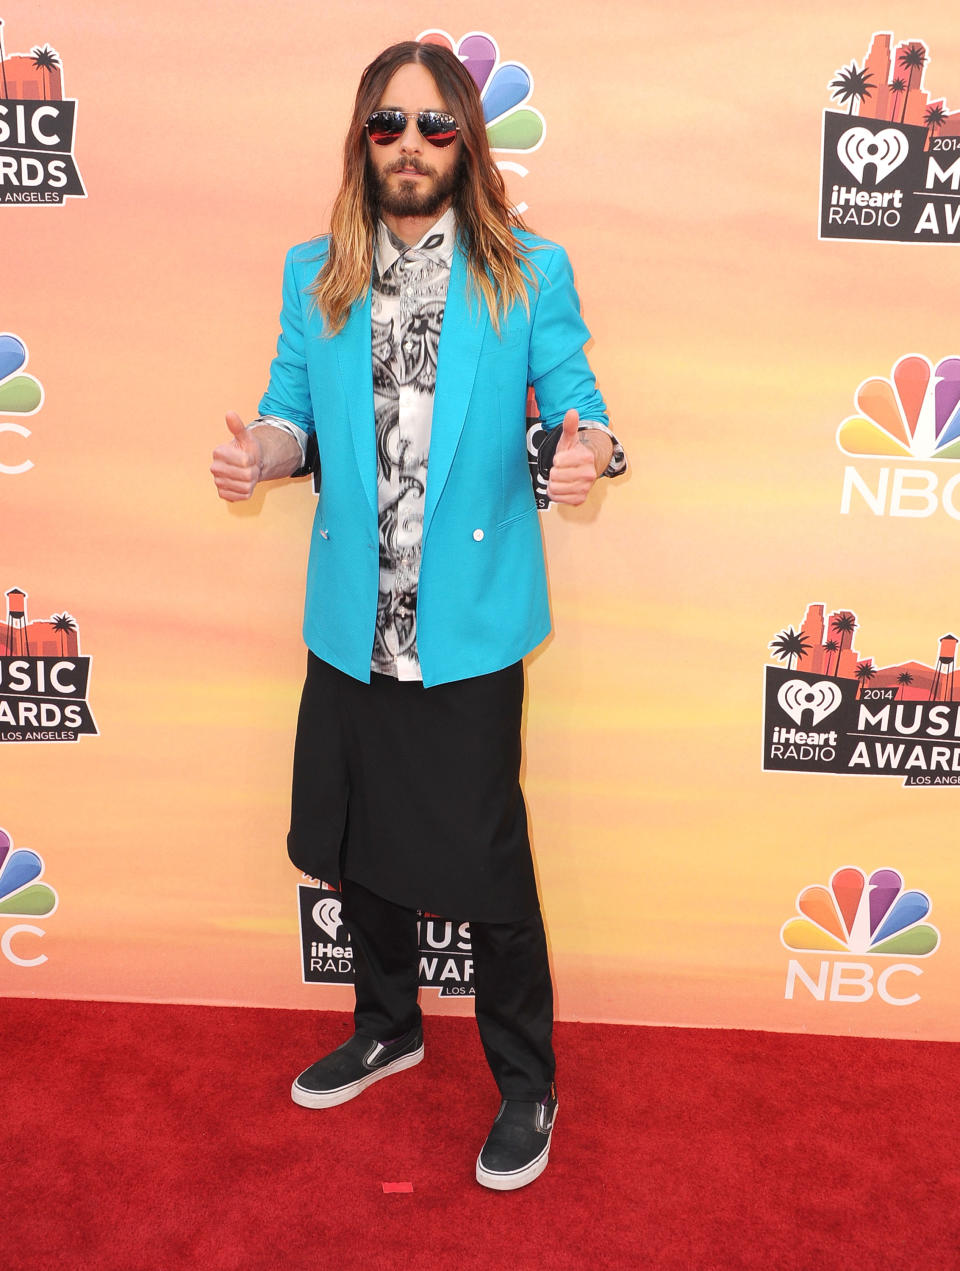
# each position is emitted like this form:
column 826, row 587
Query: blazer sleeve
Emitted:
column 557, row 365
column 288, row 394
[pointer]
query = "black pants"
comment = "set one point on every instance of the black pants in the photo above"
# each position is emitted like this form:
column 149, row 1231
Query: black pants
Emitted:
column 514, row 995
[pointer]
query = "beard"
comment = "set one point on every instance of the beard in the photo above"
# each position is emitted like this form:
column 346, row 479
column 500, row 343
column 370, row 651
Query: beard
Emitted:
column 406, row 199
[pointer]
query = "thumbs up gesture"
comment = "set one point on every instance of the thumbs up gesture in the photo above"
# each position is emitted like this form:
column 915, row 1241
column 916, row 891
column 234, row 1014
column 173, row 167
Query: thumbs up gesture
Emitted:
column 237, row 464
column 574, row 468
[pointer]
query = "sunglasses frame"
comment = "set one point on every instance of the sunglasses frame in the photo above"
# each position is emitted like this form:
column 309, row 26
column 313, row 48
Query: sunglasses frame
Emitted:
column 420, row 115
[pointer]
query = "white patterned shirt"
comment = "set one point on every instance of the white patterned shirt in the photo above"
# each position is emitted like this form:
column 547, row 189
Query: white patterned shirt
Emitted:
column 409, row 295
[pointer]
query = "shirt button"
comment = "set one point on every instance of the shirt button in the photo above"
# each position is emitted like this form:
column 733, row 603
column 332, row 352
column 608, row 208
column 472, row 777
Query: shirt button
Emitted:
column 478, row 536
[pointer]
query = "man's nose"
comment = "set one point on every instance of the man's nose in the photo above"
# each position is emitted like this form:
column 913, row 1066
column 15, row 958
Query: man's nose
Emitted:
column 410, row 140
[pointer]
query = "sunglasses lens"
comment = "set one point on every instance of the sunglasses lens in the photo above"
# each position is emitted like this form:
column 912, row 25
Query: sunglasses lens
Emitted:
column 437, row 127
column 385, row 126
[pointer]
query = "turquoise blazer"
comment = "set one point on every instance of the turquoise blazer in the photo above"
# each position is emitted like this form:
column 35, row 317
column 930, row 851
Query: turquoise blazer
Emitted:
column 482, row 597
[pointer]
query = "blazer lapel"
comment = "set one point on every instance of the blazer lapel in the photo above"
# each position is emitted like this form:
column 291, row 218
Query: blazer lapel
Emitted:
column 355, row 355
column 465, row 321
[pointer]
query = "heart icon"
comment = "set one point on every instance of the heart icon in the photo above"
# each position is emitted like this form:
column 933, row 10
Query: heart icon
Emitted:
column 885, row 149
column 797, row 696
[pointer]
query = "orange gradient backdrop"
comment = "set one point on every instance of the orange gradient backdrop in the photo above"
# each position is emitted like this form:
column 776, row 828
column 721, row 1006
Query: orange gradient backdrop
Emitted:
column 680, row 169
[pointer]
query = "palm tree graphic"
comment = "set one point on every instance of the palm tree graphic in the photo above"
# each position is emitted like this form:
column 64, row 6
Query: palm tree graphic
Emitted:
column 865, row 671
column 912, row 58
column 842, row 624
column 897, row 89
column 45, row 59
column 934, row 118
column 3, row 69
column 788, row 645
column 852, row 85
column 903, row 679
column 831, row 646
column 64, row 624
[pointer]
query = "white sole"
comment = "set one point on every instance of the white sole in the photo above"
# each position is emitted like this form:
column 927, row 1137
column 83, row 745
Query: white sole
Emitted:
column 517, row 1178
column 343, row 1094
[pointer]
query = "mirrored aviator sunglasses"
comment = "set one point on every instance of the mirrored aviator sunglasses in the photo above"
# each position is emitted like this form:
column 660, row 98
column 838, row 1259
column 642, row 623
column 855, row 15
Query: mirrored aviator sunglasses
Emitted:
column 436, row 126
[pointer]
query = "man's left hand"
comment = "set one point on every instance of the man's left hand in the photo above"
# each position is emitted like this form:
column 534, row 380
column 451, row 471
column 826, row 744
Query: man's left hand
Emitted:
column 576, row 462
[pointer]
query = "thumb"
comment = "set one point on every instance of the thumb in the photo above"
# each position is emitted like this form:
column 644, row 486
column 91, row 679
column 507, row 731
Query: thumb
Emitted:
column 239, row 430
column 571, row 426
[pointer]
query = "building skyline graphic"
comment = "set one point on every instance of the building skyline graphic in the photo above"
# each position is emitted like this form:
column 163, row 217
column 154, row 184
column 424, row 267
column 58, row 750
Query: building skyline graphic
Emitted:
column 823, row 645
column 33, row 76
column 890, row 86
column 56, row 636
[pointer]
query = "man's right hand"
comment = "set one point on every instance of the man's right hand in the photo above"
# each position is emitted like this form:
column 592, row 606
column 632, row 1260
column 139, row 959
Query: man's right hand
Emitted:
column 237, row 464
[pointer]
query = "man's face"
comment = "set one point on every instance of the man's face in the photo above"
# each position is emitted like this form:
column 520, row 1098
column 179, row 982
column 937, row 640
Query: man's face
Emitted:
column 412, row 177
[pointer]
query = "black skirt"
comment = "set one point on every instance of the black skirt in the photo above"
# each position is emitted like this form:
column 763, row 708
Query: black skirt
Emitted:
column 415, row 793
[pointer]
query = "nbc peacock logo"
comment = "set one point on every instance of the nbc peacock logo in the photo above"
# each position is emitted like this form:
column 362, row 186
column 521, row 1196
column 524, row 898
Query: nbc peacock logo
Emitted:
column 856, row 916
column 505, row 89
column 22, row 895
column 513, row 125
column 20, row 394
column 913, row 414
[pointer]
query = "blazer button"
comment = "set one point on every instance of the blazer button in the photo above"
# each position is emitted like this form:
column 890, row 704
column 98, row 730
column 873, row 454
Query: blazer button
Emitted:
column 478, row 536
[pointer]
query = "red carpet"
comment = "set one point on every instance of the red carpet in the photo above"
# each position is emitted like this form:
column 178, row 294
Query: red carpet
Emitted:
column 161, row 1137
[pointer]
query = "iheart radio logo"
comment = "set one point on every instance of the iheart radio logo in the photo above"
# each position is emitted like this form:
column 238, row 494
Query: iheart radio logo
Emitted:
column 820, row 699
column 890, row 158
column 885, row 149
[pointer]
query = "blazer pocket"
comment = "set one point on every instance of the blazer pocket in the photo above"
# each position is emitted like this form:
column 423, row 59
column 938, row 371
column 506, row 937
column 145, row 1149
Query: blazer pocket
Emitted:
column 513, row 520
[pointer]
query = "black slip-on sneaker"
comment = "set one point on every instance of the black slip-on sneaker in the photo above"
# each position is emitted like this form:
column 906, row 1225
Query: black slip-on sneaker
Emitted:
column 518, row 1146
column 358, row 1063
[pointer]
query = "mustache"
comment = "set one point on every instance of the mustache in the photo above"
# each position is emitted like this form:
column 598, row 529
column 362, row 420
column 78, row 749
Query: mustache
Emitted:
column 417, row 165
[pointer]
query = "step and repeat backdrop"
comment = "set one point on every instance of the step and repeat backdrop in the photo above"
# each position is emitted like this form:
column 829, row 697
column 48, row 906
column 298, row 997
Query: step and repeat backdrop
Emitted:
column 743, row 737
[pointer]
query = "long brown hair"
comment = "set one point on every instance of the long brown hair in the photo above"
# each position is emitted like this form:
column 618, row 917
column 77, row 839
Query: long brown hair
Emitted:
column 497, row 266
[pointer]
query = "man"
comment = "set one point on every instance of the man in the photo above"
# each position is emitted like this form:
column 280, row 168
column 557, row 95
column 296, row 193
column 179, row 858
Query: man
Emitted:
column 409, row 337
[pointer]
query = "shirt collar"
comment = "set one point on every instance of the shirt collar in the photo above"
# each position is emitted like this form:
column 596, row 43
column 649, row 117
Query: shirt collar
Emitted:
column 437, row 244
